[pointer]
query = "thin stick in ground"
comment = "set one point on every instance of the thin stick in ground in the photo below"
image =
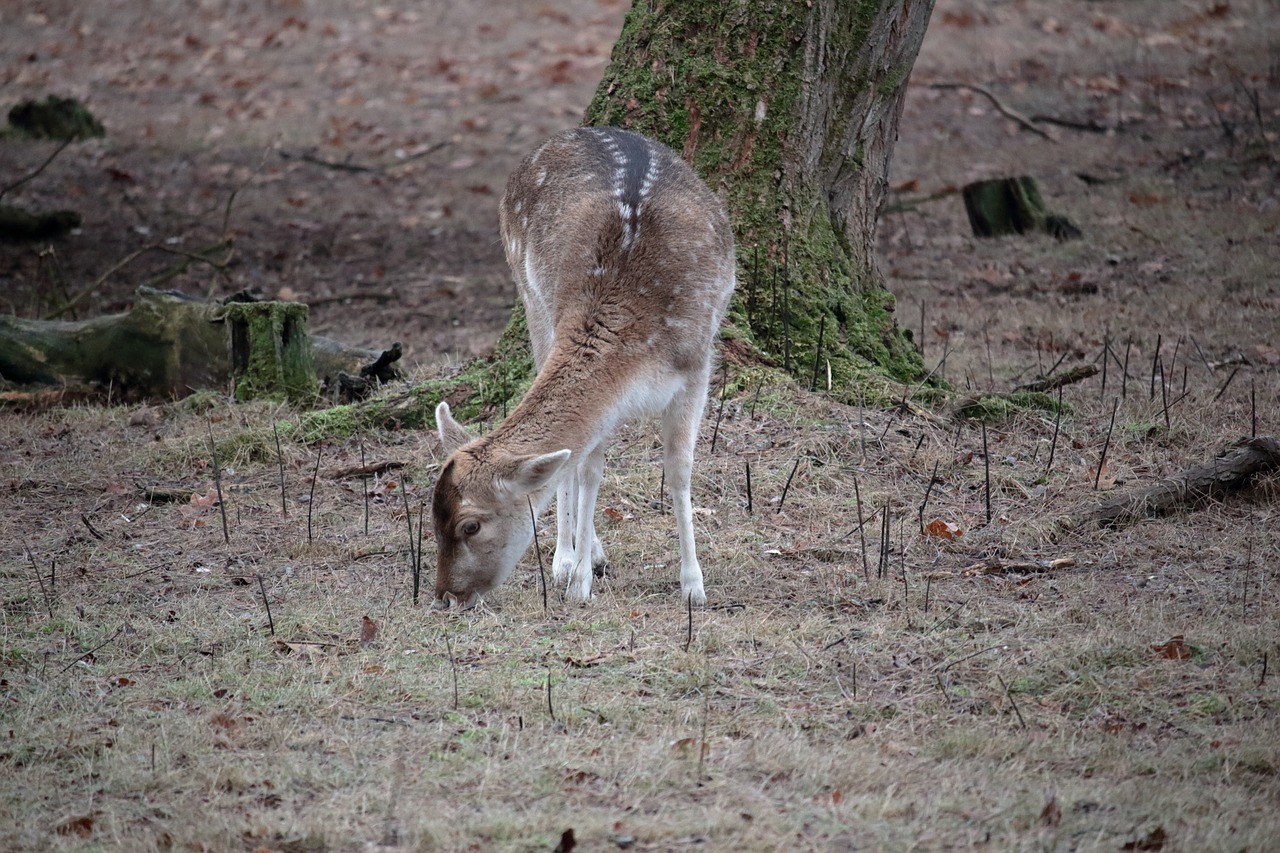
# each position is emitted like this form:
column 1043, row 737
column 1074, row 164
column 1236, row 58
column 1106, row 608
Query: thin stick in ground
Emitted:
column 217, row 481
column 928, row 489
column 284, row 499
column 311, row 497
column 1009, row 694
column 986, row 470
column 862, row 535
column 48, row 599
column 747, row 463
column 537, row 549
column 724, row 388
column 787, row 485
column 453, row 666
column 271, row 623
column 408, row 517
column 1053, row 445
column 1106, row 444
column 364, row 487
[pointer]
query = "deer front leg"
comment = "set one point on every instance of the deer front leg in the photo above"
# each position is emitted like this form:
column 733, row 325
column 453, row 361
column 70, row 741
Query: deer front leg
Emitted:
column 679, row 435
column 566, row 501
column 588, row 478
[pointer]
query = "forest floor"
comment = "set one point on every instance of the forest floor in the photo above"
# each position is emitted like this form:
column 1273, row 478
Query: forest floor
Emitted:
column 175, row 678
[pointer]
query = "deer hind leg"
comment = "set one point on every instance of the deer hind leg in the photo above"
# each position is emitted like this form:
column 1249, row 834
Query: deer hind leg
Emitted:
column 587, row 476
column 680, row 424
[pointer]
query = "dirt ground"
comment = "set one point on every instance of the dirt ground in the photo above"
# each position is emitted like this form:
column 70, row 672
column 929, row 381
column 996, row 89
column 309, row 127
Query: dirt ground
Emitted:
column 1121, row 698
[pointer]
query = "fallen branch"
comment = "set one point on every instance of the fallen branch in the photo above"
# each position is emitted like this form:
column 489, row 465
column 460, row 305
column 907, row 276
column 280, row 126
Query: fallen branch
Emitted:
column 347, row 166
column 1233, row 469
column 364, row 470
column 1067, row 377
column 1005, row 111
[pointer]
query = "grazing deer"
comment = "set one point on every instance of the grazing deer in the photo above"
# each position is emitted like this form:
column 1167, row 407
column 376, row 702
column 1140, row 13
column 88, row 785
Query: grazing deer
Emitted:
column 625, row 264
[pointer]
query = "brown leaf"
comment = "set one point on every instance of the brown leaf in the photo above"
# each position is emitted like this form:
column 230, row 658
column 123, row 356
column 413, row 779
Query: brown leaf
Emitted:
column 368, row 630
column 939, row 529
column 567, row 842
column 1051, row 814
column 1153, row 840
column 81, row 825
column 613, row 513
column 1175, row 649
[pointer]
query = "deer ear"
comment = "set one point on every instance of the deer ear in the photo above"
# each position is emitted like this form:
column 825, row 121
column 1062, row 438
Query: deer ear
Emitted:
column 452, row 435
column 534, row 473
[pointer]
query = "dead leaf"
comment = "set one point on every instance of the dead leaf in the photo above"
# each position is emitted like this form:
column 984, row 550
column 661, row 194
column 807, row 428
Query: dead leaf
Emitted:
column 939, row 529
column 81, row 825
column 1051, row 814
column 1153, row 840
column 368, row 630
column 1176, row 648
column 1142, row 199
column 613, row 513
column 567, row 842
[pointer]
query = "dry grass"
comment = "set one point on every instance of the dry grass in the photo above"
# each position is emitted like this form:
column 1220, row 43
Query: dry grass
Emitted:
column 145, row 703
column 813, row 707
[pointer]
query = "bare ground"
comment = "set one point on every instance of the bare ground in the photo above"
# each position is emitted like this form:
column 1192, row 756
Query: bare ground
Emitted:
column 1124, row 700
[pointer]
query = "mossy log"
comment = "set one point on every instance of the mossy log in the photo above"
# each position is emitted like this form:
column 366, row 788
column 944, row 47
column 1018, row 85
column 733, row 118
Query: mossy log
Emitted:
column 166, row 345
column 1231, row 470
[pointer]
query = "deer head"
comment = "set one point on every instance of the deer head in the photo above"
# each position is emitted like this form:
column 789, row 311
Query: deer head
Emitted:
column 480, row 511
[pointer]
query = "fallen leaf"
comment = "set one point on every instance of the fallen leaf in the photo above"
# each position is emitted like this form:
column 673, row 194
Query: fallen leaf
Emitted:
column 368, row 630
column 1153, row 840
column 567, row 842
column 1051, row 814
column 613, row 513
column 939, row 529
column 1176, row 648
column 81, row 825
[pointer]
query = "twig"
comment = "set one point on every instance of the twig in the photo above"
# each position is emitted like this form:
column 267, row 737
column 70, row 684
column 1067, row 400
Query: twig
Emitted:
column 217, row 481
column 1053, row 445
column 747, row 463
column 862, row 535
column 787, row 485
column 408, row 517
column 84, row 519
column 927, row 490
column 364, row 486
column 688, row 637
column 311, row 499
column 1102, row 461
column 308, row 157
column 13, row 186
column 724, row 388
column 1155, row 360
column 550, row 708
column 271, row 624
column 817, row 353
column 96, row 648
column 284, row 500
column 1004, row 110
column 537, row 549
column 1009, row 695
column 121, row 264
column 48, row 600
column 453, row 665
column 417, row 555
column 1226, row 384
column 986, row 469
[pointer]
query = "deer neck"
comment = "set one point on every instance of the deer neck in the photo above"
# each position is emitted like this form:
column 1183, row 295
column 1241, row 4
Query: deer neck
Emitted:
column 573, row 400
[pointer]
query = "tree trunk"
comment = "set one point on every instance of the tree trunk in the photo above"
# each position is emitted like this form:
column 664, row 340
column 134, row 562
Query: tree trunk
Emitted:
column 789, row 110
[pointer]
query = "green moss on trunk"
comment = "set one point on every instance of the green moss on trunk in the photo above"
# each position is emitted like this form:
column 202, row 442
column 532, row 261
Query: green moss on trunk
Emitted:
column 270, row 351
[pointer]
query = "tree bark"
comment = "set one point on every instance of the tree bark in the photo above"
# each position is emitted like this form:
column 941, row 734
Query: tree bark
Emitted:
column 790, row 111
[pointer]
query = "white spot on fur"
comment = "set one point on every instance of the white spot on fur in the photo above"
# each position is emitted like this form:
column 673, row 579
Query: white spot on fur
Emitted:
column 760, row 112
column 542, row 177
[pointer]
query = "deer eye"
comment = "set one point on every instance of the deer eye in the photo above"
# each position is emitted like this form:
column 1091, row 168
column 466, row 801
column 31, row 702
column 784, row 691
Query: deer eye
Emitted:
column 470, row 528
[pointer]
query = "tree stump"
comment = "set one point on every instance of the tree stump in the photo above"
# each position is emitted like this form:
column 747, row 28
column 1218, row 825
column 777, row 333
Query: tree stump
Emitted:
column 1012, row 206
column 270, row 351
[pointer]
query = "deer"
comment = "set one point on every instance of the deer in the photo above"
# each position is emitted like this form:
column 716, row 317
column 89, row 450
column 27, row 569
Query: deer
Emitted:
column 624, row 261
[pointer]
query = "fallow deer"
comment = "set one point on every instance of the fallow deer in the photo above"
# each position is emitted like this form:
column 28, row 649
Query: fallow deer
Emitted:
column 624, row 261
